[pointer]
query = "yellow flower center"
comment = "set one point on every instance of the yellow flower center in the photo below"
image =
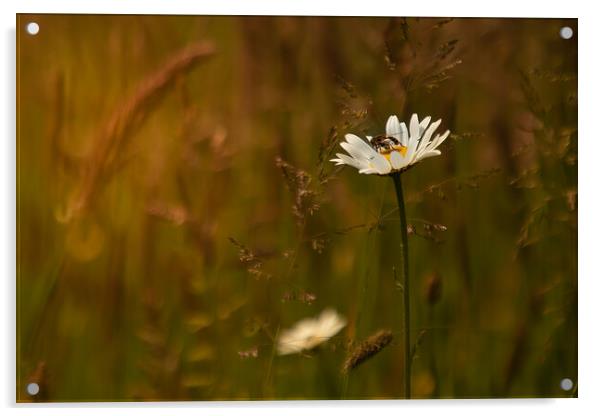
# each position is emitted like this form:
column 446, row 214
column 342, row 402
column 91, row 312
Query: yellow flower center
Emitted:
column 387, row 152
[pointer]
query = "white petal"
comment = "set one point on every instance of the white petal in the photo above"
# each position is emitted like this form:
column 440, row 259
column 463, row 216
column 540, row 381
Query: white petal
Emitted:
column 424, row 123
column 393, row 128
column 349, row 161
column 368, row 171
column 426, row 138
column 358, row 152
column 352, row 150
column 419, row 150
column 381, row 164
column 407, row 160
column 330, row 319
column 417, row 156
column 414, row 126
column 429, row 132
column 310, row 332
column 359, row 144
column 443, row 137
column 404, row 135
column 369, row 138
column 412, row 146
column 396, row 160
column 437, row 141
column 429, row 153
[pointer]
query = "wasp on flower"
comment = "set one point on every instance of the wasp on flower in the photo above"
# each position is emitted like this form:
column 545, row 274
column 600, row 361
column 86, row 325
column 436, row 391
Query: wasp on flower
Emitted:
column 310, row 332
column 396, row 151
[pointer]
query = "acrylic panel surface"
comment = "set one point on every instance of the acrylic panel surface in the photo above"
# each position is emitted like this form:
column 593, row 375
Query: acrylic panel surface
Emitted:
column 180, row 221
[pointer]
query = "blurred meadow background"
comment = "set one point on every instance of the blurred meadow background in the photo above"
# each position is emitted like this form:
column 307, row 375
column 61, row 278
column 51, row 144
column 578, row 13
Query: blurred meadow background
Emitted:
column 176, row 207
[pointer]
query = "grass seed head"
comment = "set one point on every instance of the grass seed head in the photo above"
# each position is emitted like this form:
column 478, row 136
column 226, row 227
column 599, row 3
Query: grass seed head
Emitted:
column 367, row 349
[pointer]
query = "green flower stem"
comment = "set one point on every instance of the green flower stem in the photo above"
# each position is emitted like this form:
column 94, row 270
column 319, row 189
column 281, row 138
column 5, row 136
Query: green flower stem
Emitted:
column 406, row 285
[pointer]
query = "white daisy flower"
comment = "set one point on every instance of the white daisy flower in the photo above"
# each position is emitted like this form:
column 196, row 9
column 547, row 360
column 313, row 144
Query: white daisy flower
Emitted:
column 310, row 332
column 396, row 151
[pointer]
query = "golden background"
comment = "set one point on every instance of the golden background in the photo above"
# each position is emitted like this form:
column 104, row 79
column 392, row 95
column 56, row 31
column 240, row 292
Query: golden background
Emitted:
column 176, row 206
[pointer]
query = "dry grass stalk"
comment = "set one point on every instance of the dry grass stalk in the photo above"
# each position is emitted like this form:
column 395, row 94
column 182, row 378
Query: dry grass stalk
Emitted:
column 427, row 230
column 367, row 349
column 251, row 259
column 250, row 353
column 327, row 146
column 302, row 296
column 128, row 117
column 300, row 184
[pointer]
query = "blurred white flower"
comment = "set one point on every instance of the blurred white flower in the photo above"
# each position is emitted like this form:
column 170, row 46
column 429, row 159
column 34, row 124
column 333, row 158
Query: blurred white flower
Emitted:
column 395, row 151
column 310, row 332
